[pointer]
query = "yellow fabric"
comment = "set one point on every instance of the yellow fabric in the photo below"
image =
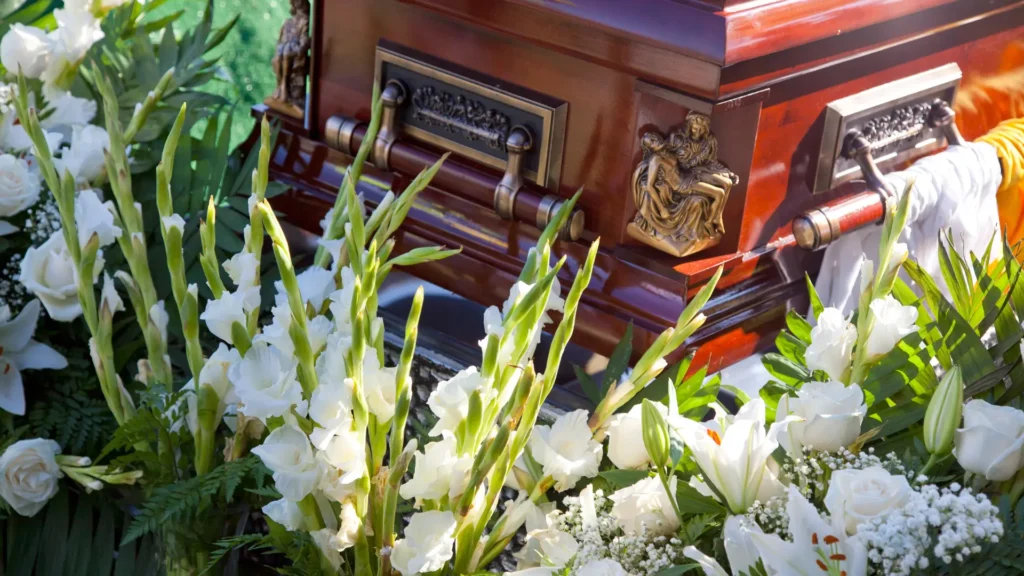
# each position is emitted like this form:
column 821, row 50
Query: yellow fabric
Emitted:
column 1008, row 140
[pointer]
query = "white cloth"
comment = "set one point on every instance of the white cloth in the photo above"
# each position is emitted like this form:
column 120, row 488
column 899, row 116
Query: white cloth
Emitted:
column 955, row 189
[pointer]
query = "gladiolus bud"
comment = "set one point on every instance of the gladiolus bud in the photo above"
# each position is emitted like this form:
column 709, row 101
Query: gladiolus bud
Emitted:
column 655, row 433
column 942, row 417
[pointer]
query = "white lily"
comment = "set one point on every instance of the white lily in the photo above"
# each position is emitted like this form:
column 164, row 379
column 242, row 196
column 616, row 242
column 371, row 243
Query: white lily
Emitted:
column 817, row 548
column 734, row 453
column 18, row 351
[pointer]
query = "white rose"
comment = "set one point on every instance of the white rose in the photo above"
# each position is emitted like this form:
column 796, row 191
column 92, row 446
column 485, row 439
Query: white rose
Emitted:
column 48, row 272
column 566, row 449
column 285, row 512
column 893, row 321
column 19, row 186
column 439, row 472
column 266, row 385
column 603, row 567
column 330, row 407
column 29, row 474
column 286, row 451
column 832, row 414
column 427, row 544
column 342, row 463
column 84, row 158
column 625, row 439
column 856, row 496
column 24, row 47
column 379, row 387
column 646, row 504
column 93, row 216
column 230, row 308
column 832, row 341
column 450, row 400
column 991, row 441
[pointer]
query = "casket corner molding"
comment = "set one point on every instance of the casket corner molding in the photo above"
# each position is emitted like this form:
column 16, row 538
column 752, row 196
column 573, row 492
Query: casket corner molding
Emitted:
column 680, row 189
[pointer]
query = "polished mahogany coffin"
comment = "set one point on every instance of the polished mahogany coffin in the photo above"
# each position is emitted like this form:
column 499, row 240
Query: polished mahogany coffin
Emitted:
column 703, row 134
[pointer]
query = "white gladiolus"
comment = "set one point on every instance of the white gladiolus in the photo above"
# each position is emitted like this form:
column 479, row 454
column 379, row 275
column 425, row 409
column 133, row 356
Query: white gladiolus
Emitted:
column 830, row 416
column 439, row 472
column 546, row 546
column 646, row 505
column 29, row 475
column 351, row 524
column 450, row 400
column 379, row 387
column 215, row 375
column 326, row 541
column 330, row 366
column 566, row 450
column 893, row 321
column 84, row 158
column 316, row 285
column 18, row 351
column 266, row 385
column 343, row 462
column 109, row 298
column 49, row 272
column 428, row 543
column 230, row 308
column 330, row 407
column 857, row 496
column 991, row 441
column 243, row 269
column 734, row 452
column 341, row 300
column 66, row 110
column 158, row 316
column 831, row 348
column 93, row 216
column 24, row 48
column 286, row 451
column 276, row 333
column 19, row 186
column 285, row 512
column 77, row 31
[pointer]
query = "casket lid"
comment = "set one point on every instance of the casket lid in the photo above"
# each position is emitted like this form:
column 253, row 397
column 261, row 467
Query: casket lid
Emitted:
column 653, row 37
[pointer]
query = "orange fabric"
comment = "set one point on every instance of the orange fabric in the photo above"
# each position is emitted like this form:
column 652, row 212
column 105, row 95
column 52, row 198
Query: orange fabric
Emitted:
column 981, row 104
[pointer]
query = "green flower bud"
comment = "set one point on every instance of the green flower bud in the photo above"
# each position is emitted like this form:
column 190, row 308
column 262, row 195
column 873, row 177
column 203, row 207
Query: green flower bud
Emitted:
column 943, row 414
column 655, row 433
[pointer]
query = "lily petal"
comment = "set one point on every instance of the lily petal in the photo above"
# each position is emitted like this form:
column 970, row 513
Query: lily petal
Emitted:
column 710, row 565
column 12, row 392
column 7, row 228
column 39, row 356
column 17, row 333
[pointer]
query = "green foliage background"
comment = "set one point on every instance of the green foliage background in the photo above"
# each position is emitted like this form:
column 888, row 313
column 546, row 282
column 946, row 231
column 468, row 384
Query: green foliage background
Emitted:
column 245, row 55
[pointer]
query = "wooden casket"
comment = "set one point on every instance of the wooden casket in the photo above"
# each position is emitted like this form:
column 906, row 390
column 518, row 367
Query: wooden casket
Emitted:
column 703, row 134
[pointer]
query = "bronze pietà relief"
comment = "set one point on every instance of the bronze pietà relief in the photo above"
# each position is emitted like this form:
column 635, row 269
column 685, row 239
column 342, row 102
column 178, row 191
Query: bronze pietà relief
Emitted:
column 680, row 189
column 291, row 62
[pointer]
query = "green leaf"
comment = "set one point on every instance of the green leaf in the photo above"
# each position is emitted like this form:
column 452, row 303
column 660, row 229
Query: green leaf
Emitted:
column 816, row 306
column 791, row 347
column 80, row 540
column 678, row 570
column 619, row 360
column 692, row 502
column 798, row 326
column 101, row 558
column 785, row 369
column 55, row 536
column 619, row 479
column 588, row 385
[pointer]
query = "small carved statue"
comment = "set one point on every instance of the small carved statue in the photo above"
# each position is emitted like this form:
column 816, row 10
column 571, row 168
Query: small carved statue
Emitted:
column 291, row 62
column 680, row 189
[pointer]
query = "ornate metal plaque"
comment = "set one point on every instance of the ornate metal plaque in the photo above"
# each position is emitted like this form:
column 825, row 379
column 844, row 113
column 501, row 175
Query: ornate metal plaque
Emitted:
column 472, row 114
column 893, row 118
column 680, row 189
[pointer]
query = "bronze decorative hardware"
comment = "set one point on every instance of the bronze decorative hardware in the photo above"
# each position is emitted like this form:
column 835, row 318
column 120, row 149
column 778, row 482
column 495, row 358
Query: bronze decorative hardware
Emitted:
column 897, row 121
column 291, row 63
column 473, row 115
column 392, row 97
column 819, row 227
column 519, row 141
column 680, row 189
